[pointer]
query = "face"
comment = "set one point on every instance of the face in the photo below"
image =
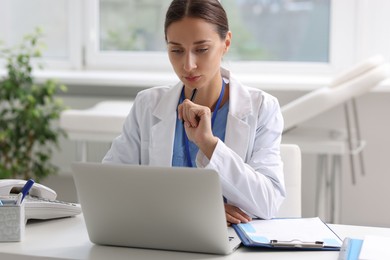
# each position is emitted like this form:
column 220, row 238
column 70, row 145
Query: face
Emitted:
column 195, row 51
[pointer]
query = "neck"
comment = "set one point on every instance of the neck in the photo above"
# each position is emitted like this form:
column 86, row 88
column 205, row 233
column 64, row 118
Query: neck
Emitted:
column 209, row 96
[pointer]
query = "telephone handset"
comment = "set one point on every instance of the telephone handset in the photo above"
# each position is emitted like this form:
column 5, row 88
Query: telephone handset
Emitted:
column 15, row 186
column 41, row 201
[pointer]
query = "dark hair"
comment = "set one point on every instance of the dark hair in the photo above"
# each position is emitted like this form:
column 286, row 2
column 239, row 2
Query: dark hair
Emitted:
column 209, row 10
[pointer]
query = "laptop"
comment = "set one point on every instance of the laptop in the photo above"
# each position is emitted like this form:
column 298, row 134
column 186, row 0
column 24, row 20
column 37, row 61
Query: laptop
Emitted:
column 169, row 208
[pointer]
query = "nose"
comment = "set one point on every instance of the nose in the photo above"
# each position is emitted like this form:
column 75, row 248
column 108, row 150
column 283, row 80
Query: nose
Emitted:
column 189, row 62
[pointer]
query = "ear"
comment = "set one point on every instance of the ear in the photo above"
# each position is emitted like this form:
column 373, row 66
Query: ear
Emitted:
column 228, row 40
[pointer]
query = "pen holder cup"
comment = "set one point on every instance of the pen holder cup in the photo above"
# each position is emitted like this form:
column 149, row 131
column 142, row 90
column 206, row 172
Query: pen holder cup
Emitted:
column 12, row 223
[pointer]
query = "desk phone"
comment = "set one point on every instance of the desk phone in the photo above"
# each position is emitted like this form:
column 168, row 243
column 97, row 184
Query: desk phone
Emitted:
column 41, row 201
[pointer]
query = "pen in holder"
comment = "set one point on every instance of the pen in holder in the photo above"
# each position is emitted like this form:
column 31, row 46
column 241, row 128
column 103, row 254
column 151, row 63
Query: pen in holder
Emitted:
column 12, row 221
column 12, row 217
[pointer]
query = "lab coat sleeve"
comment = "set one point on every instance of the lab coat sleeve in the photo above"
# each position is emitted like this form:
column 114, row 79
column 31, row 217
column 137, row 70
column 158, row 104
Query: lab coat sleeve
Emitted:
column 256, row 184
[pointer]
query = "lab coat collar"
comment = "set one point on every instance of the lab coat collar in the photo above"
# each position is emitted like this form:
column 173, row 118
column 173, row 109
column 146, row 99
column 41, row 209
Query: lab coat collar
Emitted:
column 168, row 102
column 239, row 99
column 163, row 131
column 240, row 107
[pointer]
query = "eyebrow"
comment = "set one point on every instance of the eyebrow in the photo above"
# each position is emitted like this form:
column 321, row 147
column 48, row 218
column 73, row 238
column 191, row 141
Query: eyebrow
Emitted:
column 196, row 43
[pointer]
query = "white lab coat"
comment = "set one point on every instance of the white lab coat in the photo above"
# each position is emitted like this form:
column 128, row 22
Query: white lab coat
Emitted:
column 248, row 161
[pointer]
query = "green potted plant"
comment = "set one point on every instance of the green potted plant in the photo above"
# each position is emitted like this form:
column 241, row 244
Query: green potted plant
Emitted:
column 28, row 114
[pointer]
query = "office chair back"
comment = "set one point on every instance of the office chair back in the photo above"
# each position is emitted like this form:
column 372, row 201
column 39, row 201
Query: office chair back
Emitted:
column 291, row 157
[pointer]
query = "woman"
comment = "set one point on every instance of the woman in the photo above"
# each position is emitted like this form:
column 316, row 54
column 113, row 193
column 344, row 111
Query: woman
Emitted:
column 209, row 119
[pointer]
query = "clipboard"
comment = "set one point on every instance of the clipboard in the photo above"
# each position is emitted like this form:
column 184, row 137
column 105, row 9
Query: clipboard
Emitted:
column 288, row 233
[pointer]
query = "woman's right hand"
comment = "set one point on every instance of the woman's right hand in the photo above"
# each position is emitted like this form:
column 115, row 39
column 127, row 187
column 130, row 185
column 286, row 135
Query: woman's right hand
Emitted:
column 197, row 124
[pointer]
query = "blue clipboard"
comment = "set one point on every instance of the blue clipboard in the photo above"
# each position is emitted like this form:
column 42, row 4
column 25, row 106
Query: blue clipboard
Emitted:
column 251, row 234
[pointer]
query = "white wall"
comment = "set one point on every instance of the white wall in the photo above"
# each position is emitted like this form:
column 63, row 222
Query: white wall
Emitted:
column 366, row 202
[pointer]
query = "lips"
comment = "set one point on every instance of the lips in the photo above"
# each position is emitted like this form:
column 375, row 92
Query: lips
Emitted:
column 192, row 78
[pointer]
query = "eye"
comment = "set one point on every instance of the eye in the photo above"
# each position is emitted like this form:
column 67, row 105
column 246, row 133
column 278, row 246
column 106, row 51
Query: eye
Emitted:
column 202, row 50
column 177, row 51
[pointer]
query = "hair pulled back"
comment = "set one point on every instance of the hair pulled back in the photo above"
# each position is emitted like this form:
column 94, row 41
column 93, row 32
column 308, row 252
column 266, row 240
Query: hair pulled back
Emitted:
column 209, row 10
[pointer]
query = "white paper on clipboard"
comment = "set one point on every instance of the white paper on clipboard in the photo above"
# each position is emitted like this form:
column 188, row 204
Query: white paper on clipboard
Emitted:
column 291, row 230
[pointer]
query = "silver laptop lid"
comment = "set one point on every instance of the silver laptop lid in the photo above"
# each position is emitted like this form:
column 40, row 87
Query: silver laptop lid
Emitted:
column 153, row 207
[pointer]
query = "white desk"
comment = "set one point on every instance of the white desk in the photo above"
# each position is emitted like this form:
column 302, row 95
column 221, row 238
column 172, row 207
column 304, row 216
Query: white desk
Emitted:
column 68, row 239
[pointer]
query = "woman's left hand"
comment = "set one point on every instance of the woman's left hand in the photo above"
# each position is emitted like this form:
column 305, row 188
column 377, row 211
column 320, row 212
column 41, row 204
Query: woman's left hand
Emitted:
column 235, row 215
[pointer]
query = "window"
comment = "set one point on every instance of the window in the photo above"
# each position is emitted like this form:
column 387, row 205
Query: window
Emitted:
column 263, row 30
column 126, row 34
column 19, row 17
column 298, row 37
column 282, row 30
column 132, row 25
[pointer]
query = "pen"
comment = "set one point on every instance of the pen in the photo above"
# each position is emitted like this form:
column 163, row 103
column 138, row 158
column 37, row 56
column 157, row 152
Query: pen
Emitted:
column 193, row 95
column 26, row 188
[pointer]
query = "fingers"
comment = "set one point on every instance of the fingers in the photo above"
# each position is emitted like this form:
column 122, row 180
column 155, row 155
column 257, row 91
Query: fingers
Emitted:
column 197, row 124
column 232, row 220
column 237, row 218
column 185, row 113
column 234, row 215
column 191, row 113
column 192, row 117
